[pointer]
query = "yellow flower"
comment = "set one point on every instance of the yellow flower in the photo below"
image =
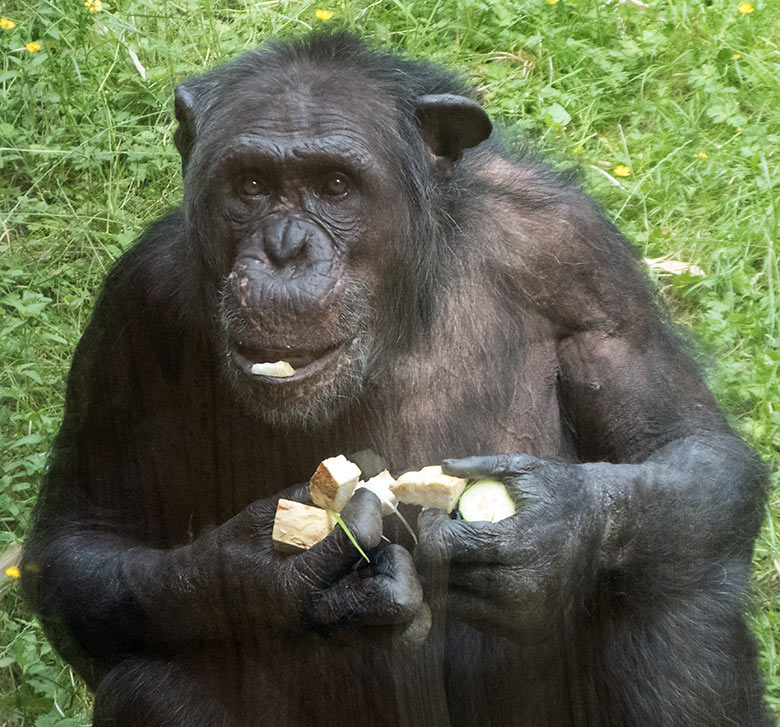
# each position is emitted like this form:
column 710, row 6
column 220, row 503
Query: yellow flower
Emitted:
column 13, row 572
column 323, row 14
column 579, row 149
column 7, row 24
column 551, row 2
column 736, row 56
column 93, row 5
column 700, row 155
column 621, row 170
column 33, row 46
column 745, row 8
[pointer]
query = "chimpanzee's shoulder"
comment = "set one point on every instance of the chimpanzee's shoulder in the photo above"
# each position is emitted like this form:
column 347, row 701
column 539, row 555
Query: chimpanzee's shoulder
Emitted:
column 158, row 242
column 568, row 259
column 139, row 277
column 138, row 312
column 144, row 295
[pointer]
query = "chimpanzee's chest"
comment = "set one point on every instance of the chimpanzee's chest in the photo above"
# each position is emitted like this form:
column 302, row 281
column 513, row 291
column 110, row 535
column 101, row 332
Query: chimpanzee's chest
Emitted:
column 420, row 415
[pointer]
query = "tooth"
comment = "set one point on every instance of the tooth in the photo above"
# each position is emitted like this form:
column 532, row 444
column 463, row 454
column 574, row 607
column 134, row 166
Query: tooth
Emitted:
column 278, row 369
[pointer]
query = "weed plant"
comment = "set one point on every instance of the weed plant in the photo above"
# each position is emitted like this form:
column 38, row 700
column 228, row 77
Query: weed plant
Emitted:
column 671, row 110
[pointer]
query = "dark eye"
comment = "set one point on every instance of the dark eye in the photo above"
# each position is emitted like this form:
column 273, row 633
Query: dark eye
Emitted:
column 251, row 185
column 336, row 185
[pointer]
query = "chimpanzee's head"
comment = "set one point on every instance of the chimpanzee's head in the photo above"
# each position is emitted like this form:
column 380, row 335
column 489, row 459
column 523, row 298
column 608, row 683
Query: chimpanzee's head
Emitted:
column 311, row 173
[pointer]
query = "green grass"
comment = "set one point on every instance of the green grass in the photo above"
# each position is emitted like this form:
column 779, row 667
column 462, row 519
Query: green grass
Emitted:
column 685, row 93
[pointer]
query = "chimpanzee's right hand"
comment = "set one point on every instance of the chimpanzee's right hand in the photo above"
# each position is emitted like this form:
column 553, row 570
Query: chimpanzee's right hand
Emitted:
column 330, row 588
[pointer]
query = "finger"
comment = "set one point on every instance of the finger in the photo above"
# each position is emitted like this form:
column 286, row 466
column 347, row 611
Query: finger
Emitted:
column 362, row 516
column 385, row 592
column 499, row 465
column 336, row 555
column 442, row 539
column 432, row 536
column 431, row 556
column 299, row 493
column 414, row 634
column 523, row 489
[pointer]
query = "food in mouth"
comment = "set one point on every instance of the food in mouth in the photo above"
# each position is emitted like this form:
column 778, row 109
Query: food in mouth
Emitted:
column 277, row 369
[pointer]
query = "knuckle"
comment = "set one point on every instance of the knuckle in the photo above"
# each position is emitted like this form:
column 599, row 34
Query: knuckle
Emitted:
column 336, row 548
column 299, row 493
column 253, row 524
column 504, row 464
column 302, row 575
column 407, row 602
column 515, row 464
column 402, row 596
column 431, row 546
column 395, row 559
column 257, row 510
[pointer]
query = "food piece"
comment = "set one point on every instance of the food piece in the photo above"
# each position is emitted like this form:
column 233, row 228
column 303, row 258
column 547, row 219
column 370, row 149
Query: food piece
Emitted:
column 429, row 487
column 380, row 486
column 297, row 526
column 486, row 500
column 333, row 482
column 278, row 369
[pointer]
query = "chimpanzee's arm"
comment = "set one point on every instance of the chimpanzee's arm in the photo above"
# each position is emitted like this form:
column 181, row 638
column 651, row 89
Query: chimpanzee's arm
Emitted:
column 681, row 484
column 635, row 559
column 667, row 500
column 634, row 565
column 102, row 595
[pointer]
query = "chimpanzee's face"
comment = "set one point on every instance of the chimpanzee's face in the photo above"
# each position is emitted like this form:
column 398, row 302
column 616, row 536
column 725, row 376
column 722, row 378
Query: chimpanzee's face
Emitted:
column 309, row 213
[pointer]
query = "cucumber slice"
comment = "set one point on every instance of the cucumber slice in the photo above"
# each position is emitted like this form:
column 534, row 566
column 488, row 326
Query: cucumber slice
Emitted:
column 486, row 500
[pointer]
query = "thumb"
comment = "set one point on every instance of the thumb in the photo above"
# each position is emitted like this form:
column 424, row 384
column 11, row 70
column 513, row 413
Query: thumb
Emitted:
column 336, row 555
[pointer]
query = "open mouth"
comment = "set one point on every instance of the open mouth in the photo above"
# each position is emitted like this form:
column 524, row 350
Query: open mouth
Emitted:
column 280, row 365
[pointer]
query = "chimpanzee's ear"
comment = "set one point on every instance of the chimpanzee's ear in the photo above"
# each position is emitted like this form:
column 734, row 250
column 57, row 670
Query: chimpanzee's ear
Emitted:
column 449, row 124
column 184, row 108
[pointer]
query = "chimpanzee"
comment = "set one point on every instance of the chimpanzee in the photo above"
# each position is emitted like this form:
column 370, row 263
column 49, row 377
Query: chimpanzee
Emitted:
column 439, row 299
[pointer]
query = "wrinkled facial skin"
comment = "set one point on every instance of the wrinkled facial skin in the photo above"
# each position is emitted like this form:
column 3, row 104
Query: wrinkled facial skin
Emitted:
column 299, row 193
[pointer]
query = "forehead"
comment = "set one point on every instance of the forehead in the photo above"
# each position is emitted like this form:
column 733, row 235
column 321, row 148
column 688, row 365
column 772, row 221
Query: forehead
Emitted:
column 298, row 110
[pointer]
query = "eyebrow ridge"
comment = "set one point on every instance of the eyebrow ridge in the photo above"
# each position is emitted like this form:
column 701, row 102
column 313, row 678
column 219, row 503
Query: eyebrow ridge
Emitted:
column 317, row 148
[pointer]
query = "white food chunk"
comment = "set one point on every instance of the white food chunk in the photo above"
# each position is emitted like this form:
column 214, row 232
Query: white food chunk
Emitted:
column 429, row 487
column 333, row 482
column 278, row 369
column 298, row 526
column 380, row 486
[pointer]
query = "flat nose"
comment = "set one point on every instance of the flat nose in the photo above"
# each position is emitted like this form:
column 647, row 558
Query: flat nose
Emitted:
column 285, row 239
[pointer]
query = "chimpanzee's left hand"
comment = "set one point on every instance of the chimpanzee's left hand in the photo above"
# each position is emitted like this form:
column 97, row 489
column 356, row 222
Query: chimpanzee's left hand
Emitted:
column 516, row 577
